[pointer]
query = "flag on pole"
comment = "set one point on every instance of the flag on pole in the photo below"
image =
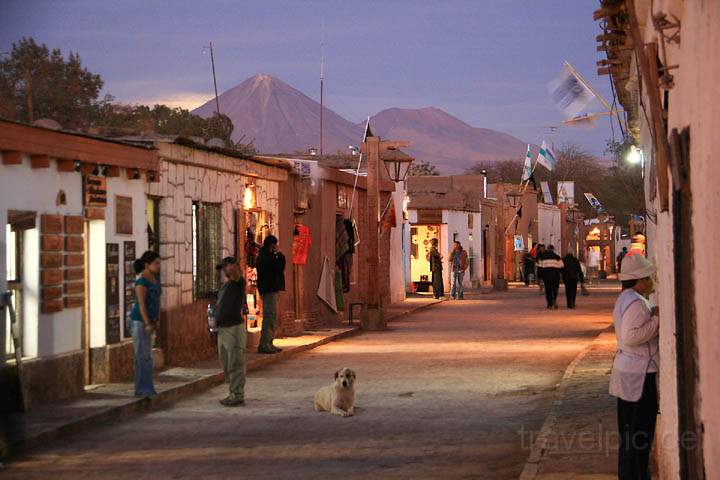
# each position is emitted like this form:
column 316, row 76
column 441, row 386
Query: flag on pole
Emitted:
column 527, row 169
column 569, row 92
column 546, row 157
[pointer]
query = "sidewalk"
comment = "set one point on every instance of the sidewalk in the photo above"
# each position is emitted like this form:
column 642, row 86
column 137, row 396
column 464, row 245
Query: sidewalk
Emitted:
column 578, row 440
column 105, row 403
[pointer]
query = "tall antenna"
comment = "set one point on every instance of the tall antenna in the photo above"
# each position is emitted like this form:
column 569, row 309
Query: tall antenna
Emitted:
column 212, row 62
column 322, row 82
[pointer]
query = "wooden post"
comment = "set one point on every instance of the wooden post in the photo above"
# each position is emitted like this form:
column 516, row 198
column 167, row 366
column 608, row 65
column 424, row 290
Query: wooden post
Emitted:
column 373, row 318
column 647, row 58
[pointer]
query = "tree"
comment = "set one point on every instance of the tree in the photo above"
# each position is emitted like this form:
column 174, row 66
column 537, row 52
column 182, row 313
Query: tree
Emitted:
column 423, row 168
column 504, row 171
column 36, row 82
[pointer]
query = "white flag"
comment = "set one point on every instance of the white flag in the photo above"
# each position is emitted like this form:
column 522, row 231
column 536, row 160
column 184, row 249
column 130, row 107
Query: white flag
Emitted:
column 569, row 93
column 527, row 168
column 546, row 157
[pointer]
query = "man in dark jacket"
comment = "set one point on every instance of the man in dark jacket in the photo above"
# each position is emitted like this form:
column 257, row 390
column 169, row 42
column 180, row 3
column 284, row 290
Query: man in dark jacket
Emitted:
column 229, row 313
column 552, row 266
column 572, row 273
column 270, row 282
column 436, row 269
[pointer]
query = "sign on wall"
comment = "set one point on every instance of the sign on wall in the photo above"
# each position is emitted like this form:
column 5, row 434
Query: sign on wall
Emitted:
column 129, row 281
column 519, row 243
column 94, row 191
column 429, row 216
column 547, row 196
column 594, row 202
column 566, row 192
column 123, row 215
column 112, row 293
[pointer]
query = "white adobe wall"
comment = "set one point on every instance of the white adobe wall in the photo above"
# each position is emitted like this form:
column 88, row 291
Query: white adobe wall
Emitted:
column 24, row 188
column 397, row 252
column 457, row 224
column 549, row 227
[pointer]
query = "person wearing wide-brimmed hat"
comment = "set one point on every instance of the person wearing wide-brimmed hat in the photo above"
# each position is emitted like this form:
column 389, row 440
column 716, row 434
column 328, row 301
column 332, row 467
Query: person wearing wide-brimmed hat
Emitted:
column 633, row 378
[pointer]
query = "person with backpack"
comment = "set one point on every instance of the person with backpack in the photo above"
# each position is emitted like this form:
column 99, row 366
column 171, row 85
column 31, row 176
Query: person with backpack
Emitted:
column 230, row 314
column 144, row 318
column 458, row 265
column 270, row 282
column 552, row 266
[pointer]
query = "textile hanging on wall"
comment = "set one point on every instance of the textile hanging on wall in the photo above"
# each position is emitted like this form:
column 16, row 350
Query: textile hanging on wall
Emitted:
column 326, row 289
column 388, row 220
column 302, row 240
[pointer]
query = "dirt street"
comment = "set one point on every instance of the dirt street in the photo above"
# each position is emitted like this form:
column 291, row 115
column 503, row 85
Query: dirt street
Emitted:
column 445, row 393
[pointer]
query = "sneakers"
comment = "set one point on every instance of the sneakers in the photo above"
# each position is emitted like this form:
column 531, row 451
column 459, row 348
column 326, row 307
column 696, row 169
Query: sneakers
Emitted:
column 231, row 401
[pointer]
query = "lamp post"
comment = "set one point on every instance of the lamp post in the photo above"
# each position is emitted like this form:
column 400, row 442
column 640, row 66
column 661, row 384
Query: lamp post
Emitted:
column 514, row 199
column 397, row 165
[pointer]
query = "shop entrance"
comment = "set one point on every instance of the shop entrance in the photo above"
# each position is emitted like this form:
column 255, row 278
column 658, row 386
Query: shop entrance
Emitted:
column 420, row 237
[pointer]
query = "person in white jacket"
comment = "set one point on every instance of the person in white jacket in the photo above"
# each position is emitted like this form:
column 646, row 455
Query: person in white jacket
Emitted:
column 633, row 378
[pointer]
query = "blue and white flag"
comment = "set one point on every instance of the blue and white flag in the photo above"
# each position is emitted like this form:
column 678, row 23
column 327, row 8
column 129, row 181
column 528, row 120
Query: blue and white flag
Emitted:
column 570, row 94
column 546, row 157
column 527, row 168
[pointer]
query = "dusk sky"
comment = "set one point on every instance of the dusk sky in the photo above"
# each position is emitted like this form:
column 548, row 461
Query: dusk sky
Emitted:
column 486, row 62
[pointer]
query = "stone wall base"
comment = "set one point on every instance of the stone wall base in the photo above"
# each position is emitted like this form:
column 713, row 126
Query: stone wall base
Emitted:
column 115, row 363
column 47, row 379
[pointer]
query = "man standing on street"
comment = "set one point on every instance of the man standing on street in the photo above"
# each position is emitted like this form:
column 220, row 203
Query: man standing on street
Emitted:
column 552, row 266
column 459, row 263
column 435, row 259
column 230, row 311
column 270, row 282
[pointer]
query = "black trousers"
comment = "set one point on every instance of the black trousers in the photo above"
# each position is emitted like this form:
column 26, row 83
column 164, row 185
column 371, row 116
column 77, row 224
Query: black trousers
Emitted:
column 636, row 427
column 551, row 290
column 437, row 283
column 571, row 292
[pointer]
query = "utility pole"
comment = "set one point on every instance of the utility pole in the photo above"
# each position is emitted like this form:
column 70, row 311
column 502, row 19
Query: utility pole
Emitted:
column 212, row 62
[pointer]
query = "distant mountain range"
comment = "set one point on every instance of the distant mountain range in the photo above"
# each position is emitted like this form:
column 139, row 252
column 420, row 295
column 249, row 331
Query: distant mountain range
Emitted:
column 277, row 118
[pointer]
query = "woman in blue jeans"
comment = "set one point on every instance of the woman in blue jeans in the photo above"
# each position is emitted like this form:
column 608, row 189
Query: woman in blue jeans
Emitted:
column 144, row 316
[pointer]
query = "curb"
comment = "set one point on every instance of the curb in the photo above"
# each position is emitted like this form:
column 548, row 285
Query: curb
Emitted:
column 161, row 400
column 539, row 447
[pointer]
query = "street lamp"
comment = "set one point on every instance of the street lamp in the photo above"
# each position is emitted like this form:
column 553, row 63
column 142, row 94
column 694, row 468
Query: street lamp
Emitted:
column 483, row 172
column 397, row 163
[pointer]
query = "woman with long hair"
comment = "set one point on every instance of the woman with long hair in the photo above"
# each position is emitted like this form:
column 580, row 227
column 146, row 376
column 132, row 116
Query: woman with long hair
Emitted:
column 144, row 315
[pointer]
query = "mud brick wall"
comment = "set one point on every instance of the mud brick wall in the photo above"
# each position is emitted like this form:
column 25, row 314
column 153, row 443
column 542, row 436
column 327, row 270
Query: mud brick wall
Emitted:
column 62, row 261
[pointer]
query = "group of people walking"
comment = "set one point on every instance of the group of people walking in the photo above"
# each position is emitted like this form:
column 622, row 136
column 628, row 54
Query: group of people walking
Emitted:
column 229, row 316
column 549, row 270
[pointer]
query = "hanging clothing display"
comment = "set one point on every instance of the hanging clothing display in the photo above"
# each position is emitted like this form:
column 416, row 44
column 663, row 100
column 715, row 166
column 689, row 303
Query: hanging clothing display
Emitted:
column 344, row 250
column 302, row 240
column 326, row 289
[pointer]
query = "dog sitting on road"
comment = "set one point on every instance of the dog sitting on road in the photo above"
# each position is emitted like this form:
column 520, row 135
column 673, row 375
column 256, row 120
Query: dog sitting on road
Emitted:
column 339, row 397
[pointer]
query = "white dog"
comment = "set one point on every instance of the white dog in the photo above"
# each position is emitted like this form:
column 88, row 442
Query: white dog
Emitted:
column 339, row 397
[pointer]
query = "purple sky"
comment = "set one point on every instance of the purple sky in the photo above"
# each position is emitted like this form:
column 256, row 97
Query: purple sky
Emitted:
column 486, row 62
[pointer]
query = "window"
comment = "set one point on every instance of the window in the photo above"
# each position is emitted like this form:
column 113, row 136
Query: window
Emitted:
column 206, row 248
column 152, row 211
column 18, row 223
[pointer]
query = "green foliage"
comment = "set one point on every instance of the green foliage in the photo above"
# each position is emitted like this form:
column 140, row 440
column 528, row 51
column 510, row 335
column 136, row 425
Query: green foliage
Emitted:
column 619, row 186
column 37, row 82
column 422, row 168
column 62, row 89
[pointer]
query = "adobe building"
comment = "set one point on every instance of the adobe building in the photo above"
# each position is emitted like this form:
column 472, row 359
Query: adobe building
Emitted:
column 664, row 63
column 443, row 208
column 73, row 207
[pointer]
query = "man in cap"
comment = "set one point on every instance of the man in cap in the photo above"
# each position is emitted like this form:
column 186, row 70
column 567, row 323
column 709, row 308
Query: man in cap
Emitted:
column 230, row 313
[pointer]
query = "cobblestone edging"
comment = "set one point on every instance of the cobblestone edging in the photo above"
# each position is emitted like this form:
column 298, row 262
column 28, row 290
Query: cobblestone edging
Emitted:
column 541, row 445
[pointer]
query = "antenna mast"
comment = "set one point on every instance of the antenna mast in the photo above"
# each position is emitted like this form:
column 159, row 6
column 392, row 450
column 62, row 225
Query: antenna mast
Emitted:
column 212, row 62
column 322, row 83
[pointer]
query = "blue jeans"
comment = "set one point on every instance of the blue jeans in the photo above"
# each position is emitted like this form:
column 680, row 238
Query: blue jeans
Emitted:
column 457, row 290
column 142, row 344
